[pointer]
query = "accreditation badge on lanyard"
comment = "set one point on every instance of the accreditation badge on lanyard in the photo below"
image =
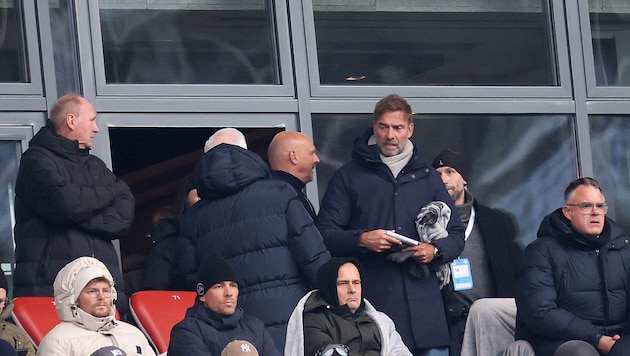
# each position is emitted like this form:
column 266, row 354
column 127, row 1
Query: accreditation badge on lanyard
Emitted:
column 460, row 268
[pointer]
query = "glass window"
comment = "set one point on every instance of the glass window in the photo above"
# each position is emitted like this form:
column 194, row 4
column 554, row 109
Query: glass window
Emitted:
column 610, row 31
column 13, row 63
column 188, row 42
column 610, row 137
column 451, row 42
column 517, row 163
column 9, row 156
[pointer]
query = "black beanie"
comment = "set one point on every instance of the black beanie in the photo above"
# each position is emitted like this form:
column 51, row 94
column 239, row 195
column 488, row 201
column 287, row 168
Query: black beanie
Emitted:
column 455, row 160
column 212, row 270
column 327, row 278
column 3, row 282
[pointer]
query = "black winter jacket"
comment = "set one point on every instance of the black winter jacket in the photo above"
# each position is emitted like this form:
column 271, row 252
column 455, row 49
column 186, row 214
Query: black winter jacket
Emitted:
column 203, row 332
column 260, row 227
column 572, row 287
column 67, row 204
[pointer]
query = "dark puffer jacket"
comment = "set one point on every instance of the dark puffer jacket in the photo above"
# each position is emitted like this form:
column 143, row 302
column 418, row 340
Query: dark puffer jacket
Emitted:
column 572, row 287
column 260, row 227
column 67, row 204
column 363, row 195
column 203, row 332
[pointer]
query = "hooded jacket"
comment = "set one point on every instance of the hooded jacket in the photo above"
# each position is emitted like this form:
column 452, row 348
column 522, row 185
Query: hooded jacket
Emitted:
column 572, row 286
column 80, row 333
column 67, row 204
column 13, row 333
column 363, row 195
column 260, row 227
column 203, row 332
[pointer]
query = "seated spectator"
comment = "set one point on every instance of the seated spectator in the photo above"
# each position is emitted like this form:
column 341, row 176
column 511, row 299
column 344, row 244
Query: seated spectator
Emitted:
column 13, row 334
column 215, row 320
column 336, row 317
column 84, row 297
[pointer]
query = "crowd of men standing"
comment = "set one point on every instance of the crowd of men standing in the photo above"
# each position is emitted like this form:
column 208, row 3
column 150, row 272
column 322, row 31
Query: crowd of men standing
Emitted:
column 256, row 217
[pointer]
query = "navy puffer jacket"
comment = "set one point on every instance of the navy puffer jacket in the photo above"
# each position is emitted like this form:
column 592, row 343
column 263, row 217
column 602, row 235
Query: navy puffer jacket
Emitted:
column 572, row 287
column 260, row 226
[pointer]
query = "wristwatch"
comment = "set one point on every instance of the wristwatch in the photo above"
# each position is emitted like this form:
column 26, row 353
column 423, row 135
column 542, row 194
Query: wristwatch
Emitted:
column 436, row 252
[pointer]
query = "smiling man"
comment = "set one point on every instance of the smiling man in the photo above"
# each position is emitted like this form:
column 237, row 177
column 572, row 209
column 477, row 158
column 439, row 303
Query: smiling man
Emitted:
column 335, row 316
column 215, row 320
column 84, row 299
column 573, row 296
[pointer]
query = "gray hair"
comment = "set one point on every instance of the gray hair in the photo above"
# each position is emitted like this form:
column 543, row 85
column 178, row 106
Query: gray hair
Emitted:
column 228, row 135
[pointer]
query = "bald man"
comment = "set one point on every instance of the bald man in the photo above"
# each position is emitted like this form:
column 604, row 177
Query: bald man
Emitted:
column 292, row 158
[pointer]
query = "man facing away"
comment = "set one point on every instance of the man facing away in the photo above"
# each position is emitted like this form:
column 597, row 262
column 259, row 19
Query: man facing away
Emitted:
column 292, row 158
column 383, row 189
column 573, row 294
column 337, row 315
column 215, row 320
column 84, row 299
column 259, row 226
column 67, row 202
column 491, row 254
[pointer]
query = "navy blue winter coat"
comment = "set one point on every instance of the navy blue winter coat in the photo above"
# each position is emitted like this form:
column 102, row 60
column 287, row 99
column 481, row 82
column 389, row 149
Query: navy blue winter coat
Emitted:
column 260, row 227
column 363, row 195
column 203, row 332
column 68, row 204
column 572, row 287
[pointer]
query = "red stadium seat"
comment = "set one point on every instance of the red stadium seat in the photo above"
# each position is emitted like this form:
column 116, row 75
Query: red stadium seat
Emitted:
column 157, row 311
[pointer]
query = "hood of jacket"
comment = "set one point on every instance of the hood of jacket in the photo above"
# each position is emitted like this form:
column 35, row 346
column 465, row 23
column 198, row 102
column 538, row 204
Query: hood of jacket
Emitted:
column 227, row 169
column 369, row 155
column 556, row 225
column 69, row 283
column 61, row 146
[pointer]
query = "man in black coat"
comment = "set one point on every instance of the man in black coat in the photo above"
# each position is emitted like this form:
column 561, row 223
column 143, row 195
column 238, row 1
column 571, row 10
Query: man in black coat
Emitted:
column 573, row 294
column 491, row 251
column 68, row 204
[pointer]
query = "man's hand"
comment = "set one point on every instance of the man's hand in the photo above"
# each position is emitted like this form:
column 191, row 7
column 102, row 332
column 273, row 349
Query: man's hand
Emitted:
column 606, row 343
column 377, row 240
column 423, row 253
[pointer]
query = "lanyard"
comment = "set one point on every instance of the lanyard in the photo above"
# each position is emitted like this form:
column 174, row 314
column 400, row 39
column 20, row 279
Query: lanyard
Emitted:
column 471, row 223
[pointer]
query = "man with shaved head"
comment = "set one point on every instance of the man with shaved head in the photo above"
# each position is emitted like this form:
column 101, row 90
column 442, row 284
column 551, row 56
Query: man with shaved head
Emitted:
column 292, row 158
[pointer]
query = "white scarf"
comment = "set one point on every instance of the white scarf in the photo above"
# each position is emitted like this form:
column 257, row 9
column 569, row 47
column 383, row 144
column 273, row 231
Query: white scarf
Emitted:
column 398, row 162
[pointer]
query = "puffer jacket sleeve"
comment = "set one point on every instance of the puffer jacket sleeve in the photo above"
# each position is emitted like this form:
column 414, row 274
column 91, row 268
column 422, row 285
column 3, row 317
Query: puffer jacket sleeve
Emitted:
column 187, row 340
column 116, row 219
column 335, row 216
column 536, row 300
column 305, row 242
column 49, row 193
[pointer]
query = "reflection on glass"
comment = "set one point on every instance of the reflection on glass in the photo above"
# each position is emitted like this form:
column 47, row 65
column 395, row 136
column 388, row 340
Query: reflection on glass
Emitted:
column 441, row 43
column 9, row 156
column 610, row 30
column 188, row 42
column 517, row 163
column 13, row 64
column 610, row 139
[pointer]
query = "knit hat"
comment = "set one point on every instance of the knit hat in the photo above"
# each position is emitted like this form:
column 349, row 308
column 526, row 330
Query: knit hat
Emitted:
column 109, row 351
column 3, row 282
column 239, row 348
column 327, row 278
column 212, row 270
column 455, row 160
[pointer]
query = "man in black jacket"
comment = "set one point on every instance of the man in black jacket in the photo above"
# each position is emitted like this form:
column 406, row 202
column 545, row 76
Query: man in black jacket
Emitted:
column 491, row 251
column 68, row 204
column 292, row 158
column 573, row 293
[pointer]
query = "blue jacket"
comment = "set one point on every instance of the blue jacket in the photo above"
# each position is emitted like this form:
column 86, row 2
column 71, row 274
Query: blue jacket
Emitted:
column 260, row 227
column 203, row 332
column 363, row 195
column 572, row 287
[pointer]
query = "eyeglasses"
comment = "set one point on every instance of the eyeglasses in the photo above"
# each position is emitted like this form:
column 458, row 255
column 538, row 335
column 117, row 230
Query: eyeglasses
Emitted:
column 5, row 301
column 334, row 350
column 587, row 207
column 93, row 292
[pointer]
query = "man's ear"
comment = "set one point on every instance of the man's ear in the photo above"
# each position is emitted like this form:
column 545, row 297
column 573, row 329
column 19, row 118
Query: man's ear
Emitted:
column 293, row 157
column 566, row 212
column 71, row 121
